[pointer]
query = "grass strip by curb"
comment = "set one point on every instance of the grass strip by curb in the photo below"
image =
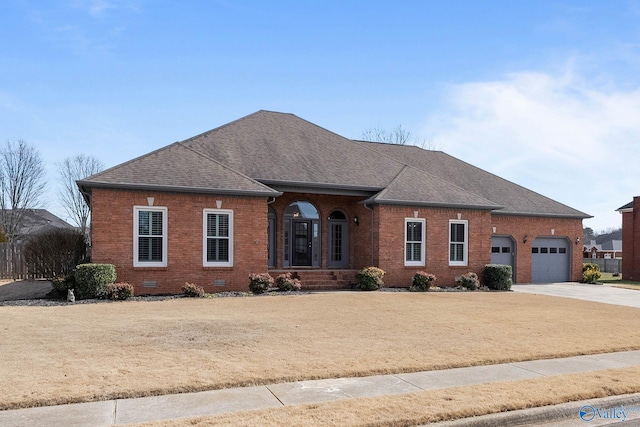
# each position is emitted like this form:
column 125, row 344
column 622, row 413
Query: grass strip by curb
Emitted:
column 431, row 406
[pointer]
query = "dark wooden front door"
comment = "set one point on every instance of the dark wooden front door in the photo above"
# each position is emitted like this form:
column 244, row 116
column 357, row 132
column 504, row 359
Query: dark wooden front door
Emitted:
column 301, row 242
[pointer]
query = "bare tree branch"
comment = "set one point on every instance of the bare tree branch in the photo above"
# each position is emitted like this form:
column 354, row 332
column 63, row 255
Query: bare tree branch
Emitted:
column 22, row 185
column 398, row 135
column 71, row 170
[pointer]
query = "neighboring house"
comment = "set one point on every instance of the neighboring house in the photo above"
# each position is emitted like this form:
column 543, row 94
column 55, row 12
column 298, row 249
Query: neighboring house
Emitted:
column 38, row 221
column 607, row 246
column 273, row 192
column 631, row 239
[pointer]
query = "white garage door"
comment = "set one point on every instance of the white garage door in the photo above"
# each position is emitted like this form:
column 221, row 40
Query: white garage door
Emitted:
column 550, row 260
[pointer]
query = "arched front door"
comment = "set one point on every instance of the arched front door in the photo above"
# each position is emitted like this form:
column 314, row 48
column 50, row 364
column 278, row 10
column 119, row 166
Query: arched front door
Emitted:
column 338, row 240
column 301, row 235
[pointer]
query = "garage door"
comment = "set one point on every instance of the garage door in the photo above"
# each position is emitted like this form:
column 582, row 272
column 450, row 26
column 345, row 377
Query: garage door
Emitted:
column 550, row 260
column 502, row 252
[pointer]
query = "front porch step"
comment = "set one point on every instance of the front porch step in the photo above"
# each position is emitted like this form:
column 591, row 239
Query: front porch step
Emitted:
column 316, row 280
column 325, row 285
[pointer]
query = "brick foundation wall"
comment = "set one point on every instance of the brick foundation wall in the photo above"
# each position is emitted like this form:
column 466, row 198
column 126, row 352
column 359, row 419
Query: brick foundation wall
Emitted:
column 112, row 239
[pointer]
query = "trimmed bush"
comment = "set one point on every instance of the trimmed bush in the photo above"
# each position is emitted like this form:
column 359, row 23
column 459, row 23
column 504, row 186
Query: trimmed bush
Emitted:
column 92, row 280
column 497, row 277
column 370, row 279
column 422, row 281
column 286, row 283
column 590, row 273
column 260, row 283
column 469, row 281
column 119, row 291
column 192, row 290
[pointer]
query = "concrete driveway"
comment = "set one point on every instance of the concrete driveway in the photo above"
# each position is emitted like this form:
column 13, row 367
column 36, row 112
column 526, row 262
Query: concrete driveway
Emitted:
column 598, row 293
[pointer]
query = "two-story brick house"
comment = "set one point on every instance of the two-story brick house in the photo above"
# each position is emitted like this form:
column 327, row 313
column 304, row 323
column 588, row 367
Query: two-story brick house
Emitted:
column 273, row 192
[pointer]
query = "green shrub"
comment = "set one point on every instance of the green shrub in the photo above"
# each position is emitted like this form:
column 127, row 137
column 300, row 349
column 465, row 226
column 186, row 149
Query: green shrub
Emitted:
column 119, row 291
column 422, row 281
column 92, row 280
column 590, row 273
column 286, row 283
column 192, row 290
column 370, row 279
column 469, row 281
column 497, row 277
column 260, row 283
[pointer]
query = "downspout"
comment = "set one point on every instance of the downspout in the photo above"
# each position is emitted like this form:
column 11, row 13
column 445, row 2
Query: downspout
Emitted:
column 368, row 208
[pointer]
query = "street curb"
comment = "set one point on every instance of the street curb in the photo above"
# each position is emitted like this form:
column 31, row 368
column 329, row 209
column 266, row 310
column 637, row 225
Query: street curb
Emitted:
column 562, row 411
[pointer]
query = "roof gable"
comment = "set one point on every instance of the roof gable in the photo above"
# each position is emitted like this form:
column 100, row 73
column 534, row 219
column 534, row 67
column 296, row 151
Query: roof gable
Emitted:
column 415, row 187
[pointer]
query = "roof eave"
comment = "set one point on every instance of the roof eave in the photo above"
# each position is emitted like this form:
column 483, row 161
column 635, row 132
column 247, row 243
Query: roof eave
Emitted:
column 87, row 185
column 427, row 204
column 546, row 215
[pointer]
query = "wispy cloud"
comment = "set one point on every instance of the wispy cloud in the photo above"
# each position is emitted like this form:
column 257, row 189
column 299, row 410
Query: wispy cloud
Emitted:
column 559, row 134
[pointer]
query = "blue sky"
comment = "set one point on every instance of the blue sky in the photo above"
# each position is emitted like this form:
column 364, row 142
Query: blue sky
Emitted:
column 543, row 93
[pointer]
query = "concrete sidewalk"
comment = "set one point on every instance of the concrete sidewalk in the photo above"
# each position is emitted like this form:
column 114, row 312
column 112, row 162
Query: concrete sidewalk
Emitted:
column 125, row 411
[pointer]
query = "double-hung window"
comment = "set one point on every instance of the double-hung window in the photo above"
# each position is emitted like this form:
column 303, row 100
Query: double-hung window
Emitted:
column 414, row 241
column 458, row 242
column 149, row 236
column 218, row 238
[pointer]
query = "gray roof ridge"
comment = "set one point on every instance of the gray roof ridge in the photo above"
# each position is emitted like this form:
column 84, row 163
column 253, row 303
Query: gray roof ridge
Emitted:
column 490, row 203
column 226, row 167
column 399, row 145
column 381, row 193
column 205, row 133
column 437, row 178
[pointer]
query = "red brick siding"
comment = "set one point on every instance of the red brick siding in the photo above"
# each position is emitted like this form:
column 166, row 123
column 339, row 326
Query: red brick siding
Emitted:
column 112, row 239
column 630, row 239
column 112, row 235
column 520, row 226
column 390, row 253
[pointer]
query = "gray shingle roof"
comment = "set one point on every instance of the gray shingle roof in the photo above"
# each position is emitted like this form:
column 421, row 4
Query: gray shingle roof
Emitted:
column 269, row 146
column 516, row 199
column 627, row 206
column 267, row 150
column 415, row 187
column 177, row 168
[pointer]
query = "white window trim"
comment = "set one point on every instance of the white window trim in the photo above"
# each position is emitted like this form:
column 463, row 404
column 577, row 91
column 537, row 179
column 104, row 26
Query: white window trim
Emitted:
column 465, row 247
column 165, row 237
column 423, row 251
column 206, row 263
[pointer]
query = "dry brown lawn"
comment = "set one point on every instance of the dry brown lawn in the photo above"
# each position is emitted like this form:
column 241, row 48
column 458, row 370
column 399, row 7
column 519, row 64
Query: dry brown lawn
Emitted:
column 74, row 353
